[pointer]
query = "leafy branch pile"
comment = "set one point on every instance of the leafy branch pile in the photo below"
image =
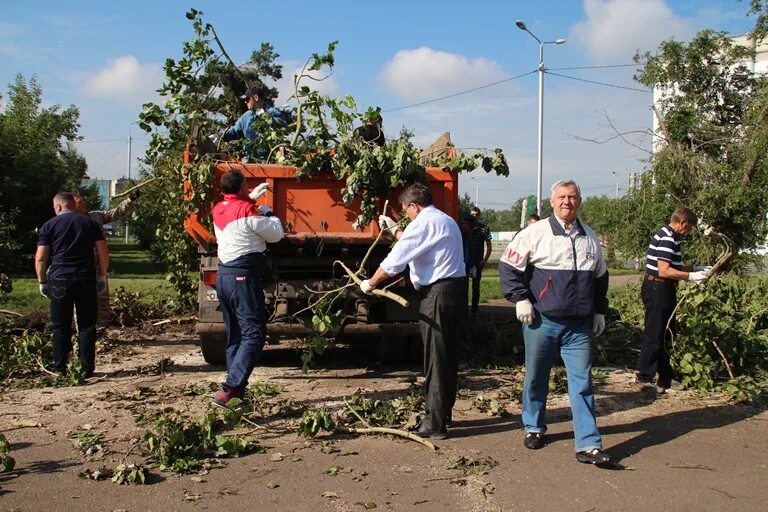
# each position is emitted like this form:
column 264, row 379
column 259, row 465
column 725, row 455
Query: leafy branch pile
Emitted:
column 721, row 340
column 201, row 94
column 181, row 445
column 7, row 463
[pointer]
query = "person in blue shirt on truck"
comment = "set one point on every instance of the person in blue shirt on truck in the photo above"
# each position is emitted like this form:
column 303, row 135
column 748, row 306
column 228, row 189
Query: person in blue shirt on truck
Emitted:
column 258, row 104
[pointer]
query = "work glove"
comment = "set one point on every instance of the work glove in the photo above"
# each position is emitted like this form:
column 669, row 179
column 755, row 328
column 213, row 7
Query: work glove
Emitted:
column 366, row 287
column 705, row 268
column 266, row 210
column 134, row 195
column 45, row 290
column 259, row 191
column 525, row 313
column 698, row 277
column 473, row 272
column 598, row 324
column 101, row 284
column 387, row 224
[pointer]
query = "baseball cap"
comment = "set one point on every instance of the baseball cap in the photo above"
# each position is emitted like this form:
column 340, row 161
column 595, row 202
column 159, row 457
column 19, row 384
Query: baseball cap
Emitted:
column 257, row 91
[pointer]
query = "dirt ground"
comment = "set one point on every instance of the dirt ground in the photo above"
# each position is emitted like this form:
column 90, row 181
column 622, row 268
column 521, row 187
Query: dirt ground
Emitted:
column 681, row 452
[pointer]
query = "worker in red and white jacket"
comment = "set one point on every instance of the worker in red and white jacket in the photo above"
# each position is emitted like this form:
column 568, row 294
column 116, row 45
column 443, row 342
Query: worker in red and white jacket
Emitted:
column 243, row 231
column 555, row 273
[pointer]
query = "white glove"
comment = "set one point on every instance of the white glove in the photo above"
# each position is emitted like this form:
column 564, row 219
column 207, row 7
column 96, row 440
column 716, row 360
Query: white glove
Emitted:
column 698, row 277
column 259, row 191
column 265, row 210
column 215, row 138
column 45, row 290
column 525, row 313
column 705, row 268
column 598, row 324
column 387, row 224
column 366, row 287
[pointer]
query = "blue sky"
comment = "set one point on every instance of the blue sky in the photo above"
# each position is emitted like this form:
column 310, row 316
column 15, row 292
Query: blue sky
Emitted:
column 105, row 57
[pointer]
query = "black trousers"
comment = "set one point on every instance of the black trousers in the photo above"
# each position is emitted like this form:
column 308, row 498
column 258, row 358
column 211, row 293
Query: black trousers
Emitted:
column 659, row 300
column 66, row 294
column 441, row 313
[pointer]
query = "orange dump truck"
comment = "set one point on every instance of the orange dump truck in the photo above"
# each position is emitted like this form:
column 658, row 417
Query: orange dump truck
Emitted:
column 318, row 231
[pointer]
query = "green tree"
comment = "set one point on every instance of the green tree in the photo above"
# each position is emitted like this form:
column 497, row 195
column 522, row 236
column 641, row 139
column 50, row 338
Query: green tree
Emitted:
column 712, row 158
column 36, row 161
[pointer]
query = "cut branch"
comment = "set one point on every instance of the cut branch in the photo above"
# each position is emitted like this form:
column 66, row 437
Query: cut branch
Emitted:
column 379, row 293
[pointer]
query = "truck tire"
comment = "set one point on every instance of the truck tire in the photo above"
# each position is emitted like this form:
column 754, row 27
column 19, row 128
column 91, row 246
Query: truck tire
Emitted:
column 213, row 347
column 392, row 349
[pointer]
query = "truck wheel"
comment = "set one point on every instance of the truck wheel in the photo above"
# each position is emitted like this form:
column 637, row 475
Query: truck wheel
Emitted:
column 392, row 349
column 213, row 347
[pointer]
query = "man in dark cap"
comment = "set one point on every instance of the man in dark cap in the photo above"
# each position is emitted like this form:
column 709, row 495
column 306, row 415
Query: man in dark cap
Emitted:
column 258, row 103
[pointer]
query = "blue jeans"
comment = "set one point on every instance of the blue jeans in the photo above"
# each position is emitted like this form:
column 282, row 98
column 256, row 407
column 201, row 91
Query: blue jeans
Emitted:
column 242, row 305
column 543, row 338
column 69, row 292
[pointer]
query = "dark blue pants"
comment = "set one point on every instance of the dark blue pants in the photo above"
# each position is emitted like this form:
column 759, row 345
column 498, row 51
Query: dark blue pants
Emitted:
column 68, row 292
column 242, row 304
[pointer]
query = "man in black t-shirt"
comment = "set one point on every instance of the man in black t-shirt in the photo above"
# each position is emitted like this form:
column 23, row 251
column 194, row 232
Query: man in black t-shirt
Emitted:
column 66, row 244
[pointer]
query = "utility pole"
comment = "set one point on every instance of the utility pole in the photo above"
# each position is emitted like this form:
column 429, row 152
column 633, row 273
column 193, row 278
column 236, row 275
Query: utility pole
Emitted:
column 130, row 140
column 617, row 183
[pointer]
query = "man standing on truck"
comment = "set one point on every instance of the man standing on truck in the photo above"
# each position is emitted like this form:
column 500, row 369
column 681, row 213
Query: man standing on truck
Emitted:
column 243, row 231
column 555, row 273
column 431, row 246
column 256, row 101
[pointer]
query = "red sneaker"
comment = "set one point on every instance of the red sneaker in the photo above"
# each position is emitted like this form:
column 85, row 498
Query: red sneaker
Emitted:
column 221, row 397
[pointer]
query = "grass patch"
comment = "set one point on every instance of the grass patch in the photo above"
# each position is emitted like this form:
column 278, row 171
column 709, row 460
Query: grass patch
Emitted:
column 129, row 261
column 25, row 297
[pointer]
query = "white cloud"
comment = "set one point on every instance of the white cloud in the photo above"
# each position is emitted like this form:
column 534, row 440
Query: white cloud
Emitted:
column 125, row 78
column 616, row 29
column 424, row 73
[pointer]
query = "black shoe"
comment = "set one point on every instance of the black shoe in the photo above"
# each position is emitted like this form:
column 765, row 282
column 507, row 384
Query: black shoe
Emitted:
column 534, row 440
column 86, row 374
column 596, row 457
column 449, row 420
column 426, row 433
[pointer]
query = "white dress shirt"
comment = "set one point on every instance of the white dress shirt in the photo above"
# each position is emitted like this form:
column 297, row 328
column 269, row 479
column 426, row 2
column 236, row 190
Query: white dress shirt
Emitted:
column 431, row 246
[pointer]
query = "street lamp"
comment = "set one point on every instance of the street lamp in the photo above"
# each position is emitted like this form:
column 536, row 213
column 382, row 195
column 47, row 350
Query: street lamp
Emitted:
column 477, row 190
column 617, row 183
column 521, row 25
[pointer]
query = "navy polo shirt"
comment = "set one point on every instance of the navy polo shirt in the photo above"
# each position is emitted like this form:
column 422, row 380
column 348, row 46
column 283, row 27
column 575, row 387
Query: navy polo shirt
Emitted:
column 72, row 238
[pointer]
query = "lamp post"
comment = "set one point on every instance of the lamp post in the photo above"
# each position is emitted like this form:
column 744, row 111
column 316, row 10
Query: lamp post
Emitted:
column 617, row 183
column 477, row 191
column 130, row 144
column 521, row 25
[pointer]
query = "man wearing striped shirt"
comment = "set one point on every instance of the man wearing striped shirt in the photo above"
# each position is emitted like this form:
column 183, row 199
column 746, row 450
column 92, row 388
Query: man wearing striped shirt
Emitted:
column 663, row 270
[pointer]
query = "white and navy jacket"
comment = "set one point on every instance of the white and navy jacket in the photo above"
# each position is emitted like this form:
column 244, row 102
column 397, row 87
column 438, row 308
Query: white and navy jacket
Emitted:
column 242, row 234
column 563, row 276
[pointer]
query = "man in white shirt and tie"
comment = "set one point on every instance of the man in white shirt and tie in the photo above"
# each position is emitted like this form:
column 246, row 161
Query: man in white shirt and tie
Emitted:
column 431, row 247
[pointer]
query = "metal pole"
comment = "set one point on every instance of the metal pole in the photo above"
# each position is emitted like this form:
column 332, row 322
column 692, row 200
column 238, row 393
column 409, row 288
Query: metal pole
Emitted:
column 617, row 183
column 541, row 129
column 477, row 194
column 130, row 140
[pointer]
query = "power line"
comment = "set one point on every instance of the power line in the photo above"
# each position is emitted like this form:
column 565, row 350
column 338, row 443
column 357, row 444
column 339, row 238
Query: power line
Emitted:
column 596, row 67
column 106, row 140
column 460, row 93
column 600, row 83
